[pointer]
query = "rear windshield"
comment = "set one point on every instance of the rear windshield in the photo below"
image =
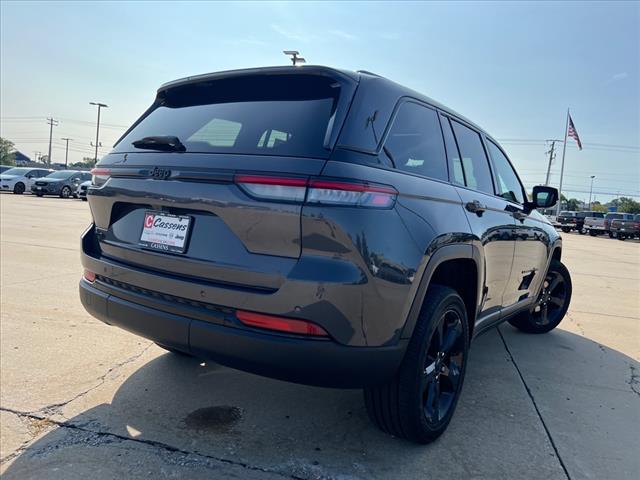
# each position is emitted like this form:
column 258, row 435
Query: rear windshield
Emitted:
column 288, row 115
column 613, row 216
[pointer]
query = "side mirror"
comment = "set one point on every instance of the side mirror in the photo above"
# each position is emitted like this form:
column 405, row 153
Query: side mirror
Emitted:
column 544, row 197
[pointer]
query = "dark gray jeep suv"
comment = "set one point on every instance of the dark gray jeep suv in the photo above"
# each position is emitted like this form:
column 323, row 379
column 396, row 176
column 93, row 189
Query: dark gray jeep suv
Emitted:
column 324, row 227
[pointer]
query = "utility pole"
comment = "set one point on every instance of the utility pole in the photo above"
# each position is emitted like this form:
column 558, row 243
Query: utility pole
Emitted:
column 99, row 105
column 52, row 123
column 552, row 156
column 591, row 190
column 66, row 151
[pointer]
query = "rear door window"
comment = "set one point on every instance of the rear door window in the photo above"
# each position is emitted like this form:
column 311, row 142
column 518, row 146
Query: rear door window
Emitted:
column 284, row 115
column 415, row 142
column 456, row 172
column 475, row 164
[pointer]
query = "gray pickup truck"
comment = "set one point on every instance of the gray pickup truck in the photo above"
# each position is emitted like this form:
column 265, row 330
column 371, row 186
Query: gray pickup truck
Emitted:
column 598, row 226
column 623, row 228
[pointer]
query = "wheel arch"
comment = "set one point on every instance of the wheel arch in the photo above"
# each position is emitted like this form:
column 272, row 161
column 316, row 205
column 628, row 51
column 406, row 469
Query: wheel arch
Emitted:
column 456, row 266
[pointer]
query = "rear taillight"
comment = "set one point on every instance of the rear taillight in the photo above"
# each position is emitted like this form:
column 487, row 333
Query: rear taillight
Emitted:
column 330, row 192
column 280, row 324
column 318, row 191
column 273, row 188
column 99, row 176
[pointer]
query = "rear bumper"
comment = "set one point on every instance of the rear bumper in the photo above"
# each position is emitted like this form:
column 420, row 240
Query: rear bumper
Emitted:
column 308, row 361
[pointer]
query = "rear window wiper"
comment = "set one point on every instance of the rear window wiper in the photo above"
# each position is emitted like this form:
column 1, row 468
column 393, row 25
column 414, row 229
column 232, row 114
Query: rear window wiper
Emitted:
column 165, row 143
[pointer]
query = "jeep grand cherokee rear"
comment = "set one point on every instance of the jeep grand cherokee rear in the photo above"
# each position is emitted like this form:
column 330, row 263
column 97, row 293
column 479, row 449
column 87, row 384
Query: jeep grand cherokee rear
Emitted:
column 319, row 226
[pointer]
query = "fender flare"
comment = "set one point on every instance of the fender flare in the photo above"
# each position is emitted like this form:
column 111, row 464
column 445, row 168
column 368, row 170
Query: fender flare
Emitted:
column 467, row 251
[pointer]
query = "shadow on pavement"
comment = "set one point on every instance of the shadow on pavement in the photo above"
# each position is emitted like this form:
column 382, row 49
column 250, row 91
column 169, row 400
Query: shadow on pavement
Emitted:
column 176, row 412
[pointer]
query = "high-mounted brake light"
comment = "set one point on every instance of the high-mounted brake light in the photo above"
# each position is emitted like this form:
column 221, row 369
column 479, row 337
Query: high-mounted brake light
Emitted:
column 317, row 191
column 99, row 176
column 281, row 324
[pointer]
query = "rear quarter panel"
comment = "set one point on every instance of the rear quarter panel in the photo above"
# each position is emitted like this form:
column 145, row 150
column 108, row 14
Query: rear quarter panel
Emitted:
column 391, row 247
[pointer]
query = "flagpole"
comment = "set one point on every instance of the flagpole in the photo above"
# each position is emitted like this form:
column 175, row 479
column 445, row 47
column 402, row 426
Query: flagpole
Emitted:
column 564, row 150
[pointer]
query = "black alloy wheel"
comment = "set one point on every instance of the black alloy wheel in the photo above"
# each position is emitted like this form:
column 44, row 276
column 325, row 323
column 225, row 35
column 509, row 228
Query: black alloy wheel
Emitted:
column 18, row 188
column 443, row 366
column 552, row 302
column 419, row 401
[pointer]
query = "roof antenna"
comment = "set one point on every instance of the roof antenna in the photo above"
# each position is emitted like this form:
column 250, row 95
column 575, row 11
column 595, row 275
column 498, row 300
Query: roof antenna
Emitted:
column 295, row 59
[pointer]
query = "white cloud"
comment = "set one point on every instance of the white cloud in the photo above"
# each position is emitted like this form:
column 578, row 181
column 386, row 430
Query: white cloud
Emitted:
column 292, row 35
column 343, row 35
column 618, row 76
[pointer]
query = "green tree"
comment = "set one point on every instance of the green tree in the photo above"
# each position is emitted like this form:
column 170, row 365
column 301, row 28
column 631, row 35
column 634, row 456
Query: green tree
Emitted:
column 573, row 205
column 598, row 207
column 7, row 152
column 626, row 204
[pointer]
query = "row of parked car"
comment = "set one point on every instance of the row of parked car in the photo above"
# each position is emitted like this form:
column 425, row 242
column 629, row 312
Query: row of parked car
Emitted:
column 42, row 181
column 615, row 224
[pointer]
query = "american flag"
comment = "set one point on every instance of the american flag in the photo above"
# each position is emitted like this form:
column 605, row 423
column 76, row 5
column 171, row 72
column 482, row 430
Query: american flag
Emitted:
column 571, row 132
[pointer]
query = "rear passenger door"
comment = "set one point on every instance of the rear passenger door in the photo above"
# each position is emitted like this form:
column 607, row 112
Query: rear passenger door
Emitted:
column 491, row 222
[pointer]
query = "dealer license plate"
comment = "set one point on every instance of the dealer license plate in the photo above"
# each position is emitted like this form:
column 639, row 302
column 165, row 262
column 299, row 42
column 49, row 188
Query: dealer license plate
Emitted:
column 165, row 232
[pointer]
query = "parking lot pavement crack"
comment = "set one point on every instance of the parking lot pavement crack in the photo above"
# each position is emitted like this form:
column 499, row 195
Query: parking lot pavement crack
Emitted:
column 56, row 407
column 163, row 447
column 634, row 380
column 535, row 405
column 33, row 426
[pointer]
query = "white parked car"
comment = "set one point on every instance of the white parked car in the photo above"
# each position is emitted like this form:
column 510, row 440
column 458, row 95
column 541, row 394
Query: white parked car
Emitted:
column 81, row 191
column 20, row 179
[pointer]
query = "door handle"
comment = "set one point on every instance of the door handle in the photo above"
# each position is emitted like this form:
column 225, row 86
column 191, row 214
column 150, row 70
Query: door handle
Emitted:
column 476, row 207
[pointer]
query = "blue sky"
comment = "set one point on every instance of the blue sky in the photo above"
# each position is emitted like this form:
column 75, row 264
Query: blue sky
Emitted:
column 513, row 68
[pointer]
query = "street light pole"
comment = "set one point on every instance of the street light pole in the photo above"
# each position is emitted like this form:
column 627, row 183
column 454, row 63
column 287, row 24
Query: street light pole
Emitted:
column 66, row 151
column 99, row 105
column 591, row 190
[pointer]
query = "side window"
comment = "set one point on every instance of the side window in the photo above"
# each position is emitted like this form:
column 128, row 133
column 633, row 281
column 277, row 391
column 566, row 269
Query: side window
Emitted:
column 474, row 160
column 415, row 142
column 86, row 176
column 509, row 186
column 453, row 156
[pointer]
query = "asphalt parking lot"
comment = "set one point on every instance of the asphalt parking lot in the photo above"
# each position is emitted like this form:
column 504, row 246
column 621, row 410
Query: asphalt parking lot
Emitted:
column 80, row 399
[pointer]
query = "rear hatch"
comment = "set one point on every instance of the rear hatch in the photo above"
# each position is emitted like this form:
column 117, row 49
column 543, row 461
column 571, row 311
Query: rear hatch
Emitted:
column 190, row 197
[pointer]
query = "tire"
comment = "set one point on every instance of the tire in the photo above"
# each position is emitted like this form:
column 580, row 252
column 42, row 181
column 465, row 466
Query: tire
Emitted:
column 39, row 194
column 621, row 237
column 582, row 231
column 173, row 350
column 84, row 199
column 593, row 233
column 18, row 188
column 565, row 229
column 405, row 406
column 551, row 305
column 65, row 192
column 612, row 235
